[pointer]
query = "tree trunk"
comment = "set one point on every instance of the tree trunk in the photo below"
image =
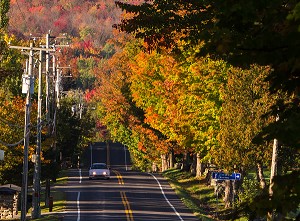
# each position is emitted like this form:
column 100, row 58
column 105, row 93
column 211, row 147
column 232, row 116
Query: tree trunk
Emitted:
column 154, row 167
column 164, row 163
column 186, row 161
column 228, row 194
column 171, row 159
column 47, row 193
column 260, row 175
column 198, row 165
column 274, row 166
column 194, row 165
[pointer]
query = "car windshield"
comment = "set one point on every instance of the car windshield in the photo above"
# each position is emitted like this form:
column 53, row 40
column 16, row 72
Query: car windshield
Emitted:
column 99, row 166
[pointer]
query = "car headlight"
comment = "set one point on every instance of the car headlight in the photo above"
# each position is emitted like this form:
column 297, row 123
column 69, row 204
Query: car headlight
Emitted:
column 104, row 173
column 94, row 173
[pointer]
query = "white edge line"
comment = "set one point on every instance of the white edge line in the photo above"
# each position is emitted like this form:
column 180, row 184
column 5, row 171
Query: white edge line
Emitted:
column 78, row 207
column 163, row 193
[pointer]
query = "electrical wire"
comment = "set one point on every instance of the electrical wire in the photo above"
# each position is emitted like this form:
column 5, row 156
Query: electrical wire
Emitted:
column 14, row 144
column 10, row 124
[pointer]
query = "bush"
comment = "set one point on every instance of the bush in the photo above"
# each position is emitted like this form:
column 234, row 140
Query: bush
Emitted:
column 248, row 191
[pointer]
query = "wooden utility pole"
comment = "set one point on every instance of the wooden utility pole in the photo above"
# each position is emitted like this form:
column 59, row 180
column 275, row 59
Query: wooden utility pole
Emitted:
column 24, row 189
column 29, row 77
column 47, row 80
column 36, row 212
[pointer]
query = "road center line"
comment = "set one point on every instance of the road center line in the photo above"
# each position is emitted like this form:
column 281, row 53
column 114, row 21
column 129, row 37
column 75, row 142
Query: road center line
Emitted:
column 119, row 176
column 78, row 207
column 163, row 193
column 80, row 176
column 78, row 197
column 126, row 204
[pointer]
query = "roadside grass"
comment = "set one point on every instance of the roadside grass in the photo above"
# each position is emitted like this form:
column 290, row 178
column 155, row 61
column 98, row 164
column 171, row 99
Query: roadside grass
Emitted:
column 194, row 193
column 200, row 198
column 59, row 200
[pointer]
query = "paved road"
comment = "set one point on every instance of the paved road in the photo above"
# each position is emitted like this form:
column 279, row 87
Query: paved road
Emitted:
column 127, row 196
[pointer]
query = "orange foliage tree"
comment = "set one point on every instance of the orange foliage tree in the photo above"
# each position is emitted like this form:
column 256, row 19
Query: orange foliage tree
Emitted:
column 181, row 99
column 12, row 132
column 117, row 111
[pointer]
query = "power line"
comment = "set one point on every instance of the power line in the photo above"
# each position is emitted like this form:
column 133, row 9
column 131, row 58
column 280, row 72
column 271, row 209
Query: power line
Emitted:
column 10, row 124
column 14, row 144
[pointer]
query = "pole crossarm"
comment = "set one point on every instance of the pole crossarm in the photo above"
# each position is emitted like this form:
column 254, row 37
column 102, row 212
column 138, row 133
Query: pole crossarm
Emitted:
column 51, row 50
column 24, row 190
column 32, row 48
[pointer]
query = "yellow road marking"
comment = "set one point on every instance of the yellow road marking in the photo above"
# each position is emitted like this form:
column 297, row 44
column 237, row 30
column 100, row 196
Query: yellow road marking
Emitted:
column 119, row 176
column 126, row 204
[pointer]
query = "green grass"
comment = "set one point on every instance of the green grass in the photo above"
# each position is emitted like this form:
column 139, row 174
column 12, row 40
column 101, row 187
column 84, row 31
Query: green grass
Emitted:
column 62, row 177
column 200, row 197
column 59, row 201
column 194, row 193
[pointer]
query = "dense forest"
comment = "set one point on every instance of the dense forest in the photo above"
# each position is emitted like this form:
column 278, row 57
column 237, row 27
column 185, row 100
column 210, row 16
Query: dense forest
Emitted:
column 88, row 20
column 197, row 84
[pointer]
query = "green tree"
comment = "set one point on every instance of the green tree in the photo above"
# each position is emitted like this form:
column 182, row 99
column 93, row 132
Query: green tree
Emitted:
column 12, row 133
column 246, row 100
column 181, row 98
column 4, row 18
column 10, row 64
column 244, row 33
column 86, row 77
column 75, row 126
column 116, row 109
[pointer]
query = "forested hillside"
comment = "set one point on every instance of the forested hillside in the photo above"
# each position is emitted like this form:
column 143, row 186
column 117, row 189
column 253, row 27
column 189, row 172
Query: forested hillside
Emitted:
column 90, row 20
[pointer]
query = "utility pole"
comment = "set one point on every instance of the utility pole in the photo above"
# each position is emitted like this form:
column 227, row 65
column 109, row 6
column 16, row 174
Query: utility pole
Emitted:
column 26, row 133
column 57, row 86
column 48, row 42
column 47, row 80
column 36, row 199
column 36, row 212
column 26, row 140
column 24, row 189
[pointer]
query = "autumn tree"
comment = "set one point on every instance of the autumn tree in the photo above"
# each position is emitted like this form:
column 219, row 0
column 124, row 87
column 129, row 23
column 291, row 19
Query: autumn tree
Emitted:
column 79, row 19
column 181, row 98
column 12, row 134
column 119, row 113
column 244, row 33
column 153, row 87
column 246, row 101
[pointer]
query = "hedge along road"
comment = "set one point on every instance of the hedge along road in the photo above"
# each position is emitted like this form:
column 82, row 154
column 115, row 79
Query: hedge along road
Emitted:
column 127, row 196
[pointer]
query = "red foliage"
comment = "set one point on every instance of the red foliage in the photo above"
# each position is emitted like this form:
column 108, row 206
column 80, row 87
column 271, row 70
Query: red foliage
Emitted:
column 101, row 129
column 65, row 16
column 89, row 95
column 102, row 6
column 87, row 44
column 58, row 8
column 61, row 22
column 36, row 9
column 77, row 9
